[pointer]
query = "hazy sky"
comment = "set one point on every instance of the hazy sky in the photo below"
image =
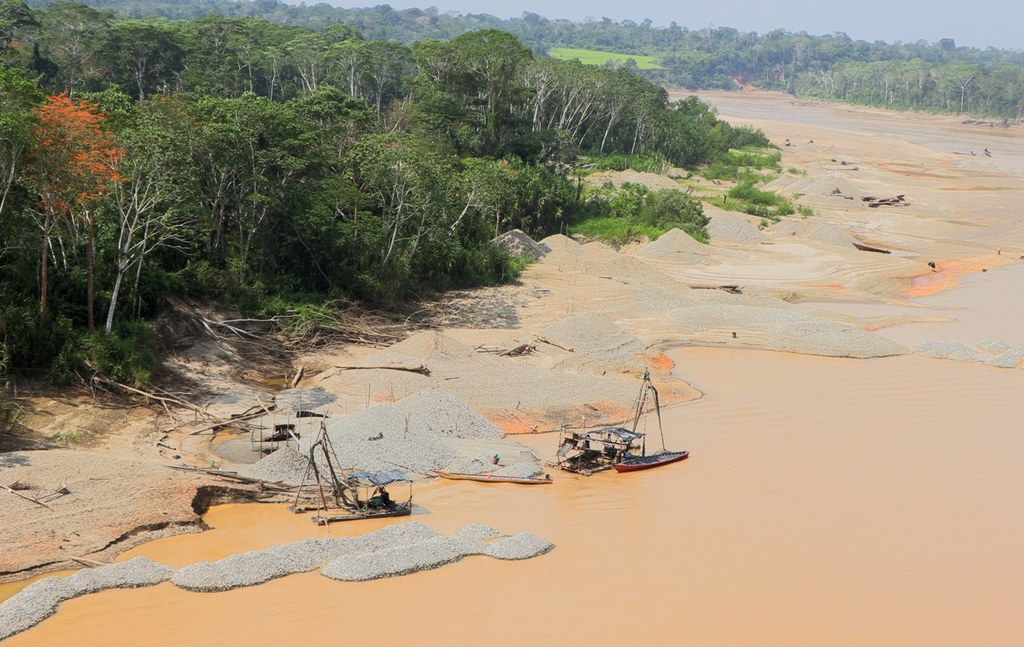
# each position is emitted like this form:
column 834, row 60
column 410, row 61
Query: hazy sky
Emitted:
column 996, row 23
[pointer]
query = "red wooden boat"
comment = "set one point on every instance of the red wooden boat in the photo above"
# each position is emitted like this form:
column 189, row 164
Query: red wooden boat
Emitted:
column 635, row 463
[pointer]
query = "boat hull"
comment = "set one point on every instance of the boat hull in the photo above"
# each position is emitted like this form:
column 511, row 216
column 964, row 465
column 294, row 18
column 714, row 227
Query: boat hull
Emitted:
column 650, row 462
column 489, row 478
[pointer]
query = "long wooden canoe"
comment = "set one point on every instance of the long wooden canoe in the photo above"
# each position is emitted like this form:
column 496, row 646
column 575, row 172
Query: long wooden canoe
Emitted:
column 647, row 462
column 491, row 478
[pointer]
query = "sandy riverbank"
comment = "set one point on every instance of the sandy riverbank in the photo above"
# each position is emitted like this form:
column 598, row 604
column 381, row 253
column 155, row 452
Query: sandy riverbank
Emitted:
column 596, row 316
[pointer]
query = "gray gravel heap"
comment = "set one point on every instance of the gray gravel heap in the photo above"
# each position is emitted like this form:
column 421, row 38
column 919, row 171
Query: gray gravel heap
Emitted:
column 525, row 545
column 518, row 243
column 520, row 470
column 395, row 561
column 595, row 335
column 415, row 434
column 40, row 600
column 1010, row 359
column 286, row 465
column 947, row 350
column 480, row 532
column 435, row 552
column 734, row 229
column 994, row 346
column 259, row 566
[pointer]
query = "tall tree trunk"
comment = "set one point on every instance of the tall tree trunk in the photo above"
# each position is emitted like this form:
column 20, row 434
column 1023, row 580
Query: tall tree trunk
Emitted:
column 44, row 268
column 89, row 253
column 113, row 298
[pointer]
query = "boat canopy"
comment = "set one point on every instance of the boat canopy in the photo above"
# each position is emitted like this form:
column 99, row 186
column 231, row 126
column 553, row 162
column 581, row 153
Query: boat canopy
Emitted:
column 621, row 432
column 383, row 478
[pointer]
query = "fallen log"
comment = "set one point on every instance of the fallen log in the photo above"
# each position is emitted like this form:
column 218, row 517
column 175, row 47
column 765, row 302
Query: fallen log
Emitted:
column 521, row 349
column 868, row 248
column 422, row 370
column 152, row 396
column 732, row 289
column 225, row 423
column 27, row 498
column 88, row 562
column 545, row 340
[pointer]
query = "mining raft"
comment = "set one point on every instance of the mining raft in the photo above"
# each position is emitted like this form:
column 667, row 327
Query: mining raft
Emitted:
column 334, row 496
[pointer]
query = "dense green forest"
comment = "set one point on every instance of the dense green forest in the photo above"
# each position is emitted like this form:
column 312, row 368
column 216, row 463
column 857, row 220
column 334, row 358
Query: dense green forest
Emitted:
column 269, row 167
column 925, row 76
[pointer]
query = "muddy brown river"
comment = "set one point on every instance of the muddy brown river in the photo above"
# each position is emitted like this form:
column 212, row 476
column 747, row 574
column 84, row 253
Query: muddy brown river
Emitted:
column 827, row 501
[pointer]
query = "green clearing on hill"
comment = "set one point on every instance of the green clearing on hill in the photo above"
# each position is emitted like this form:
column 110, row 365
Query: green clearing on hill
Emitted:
column 596, row 57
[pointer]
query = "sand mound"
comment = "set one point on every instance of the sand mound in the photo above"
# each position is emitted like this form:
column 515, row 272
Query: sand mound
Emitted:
column 676, row 245
column 424, row 346
column 733, row 229
column 830, row 185
column 817, row 230
column 593, row 334
column 518, row 243
column 562, row 249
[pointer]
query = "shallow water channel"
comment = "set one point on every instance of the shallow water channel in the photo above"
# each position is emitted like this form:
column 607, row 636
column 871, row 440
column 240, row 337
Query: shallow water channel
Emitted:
column 826, row 501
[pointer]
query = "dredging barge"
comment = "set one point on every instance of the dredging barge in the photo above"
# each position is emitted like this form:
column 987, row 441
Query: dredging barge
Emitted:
column 618, row 448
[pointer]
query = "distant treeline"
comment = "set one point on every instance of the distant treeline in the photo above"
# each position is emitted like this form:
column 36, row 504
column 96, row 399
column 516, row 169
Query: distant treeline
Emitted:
column 926, row 76
column 262, row 165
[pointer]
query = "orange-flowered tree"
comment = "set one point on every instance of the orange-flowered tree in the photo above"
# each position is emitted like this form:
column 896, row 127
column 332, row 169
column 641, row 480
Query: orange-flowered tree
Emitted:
column 75, row 164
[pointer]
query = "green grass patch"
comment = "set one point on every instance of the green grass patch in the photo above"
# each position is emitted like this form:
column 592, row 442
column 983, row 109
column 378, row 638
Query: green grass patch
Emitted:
column 748, row 161
column 747, row 198
column 615, row 231
column 623, row 161
column 596, row 57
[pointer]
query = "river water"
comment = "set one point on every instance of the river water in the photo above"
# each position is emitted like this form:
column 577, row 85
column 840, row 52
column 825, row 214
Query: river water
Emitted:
column 826, row 501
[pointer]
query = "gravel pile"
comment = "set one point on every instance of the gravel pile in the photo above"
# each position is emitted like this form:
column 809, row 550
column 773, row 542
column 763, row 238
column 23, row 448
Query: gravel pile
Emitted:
column 518, row 243
column 593, row 334
column 520, row 470
column 470, row 466
column 830, row 185
column 678, row 246
column 257, row 567
column 418, row 434
column 785, row 329
column 40, row 600
column 733, row 229
column 286, row 465
column 817, row 230
column 562, row 251
column 1009, row 359
column 994, row 346
column 947, row 350
column 433, row 553
column 480, row 532
column 395, row 561
column 525, row 545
